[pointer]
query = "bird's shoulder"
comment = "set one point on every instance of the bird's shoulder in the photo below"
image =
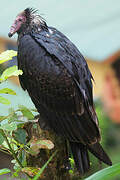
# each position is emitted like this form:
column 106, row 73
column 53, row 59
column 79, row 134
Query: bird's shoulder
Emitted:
column 59, row 46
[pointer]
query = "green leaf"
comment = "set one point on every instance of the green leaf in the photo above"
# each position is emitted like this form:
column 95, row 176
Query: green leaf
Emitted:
column 9, row 127
column 16, row 165
column 72, row 162
column 16, row 173
column 4, row 100
column 20, row 136
column 7, row 91
column 11, row 71
column 12, row 117
column 1, row 139
column 106, row 174
column 22, row 157
column 43, row 167
column 26, row 112
column 7, row 55
column 2, row 118
column 4, row 171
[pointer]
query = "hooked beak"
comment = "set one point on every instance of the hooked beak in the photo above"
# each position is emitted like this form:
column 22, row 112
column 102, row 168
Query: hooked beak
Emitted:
column 13, row 30
column 10, row 34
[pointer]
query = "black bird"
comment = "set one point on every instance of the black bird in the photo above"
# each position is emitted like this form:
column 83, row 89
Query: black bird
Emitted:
column 59, row 82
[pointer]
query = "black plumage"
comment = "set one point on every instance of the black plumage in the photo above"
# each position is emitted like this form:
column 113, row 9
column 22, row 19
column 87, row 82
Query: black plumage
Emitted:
column 59, row 82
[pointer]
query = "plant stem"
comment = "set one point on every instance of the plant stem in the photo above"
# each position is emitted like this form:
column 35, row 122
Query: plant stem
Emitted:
column 4, row 151
column 45, row 165
column 11, row 150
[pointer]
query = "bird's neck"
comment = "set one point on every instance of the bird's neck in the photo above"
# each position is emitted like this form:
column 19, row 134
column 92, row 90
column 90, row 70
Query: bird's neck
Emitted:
column 33, row 27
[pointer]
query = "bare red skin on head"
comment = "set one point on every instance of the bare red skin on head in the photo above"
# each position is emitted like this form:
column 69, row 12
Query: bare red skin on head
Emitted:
column 20, row 19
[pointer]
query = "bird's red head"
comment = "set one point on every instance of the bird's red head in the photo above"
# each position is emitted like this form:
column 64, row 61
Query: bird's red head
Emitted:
column 21, row 19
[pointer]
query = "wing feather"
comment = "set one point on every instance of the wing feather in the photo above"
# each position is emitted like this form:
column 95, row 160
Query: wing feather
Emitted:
column 61, row 64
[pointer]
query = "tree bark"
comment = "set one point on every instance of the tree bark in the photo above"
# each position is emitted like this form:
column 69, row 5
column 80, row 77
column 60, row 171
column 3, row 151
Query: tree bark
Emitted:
column 56, row 169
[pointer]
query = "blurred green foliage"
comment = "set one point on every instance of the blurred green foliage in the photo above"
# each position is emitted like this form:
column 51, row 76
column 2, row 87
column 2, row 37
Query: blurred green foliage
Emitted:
column 106, row 174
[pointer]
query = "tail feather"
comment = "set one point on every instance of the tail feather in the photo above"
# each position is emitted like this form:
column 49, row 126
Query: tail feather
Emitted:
column 80, row 155
column 98, row 151
column 81, row 158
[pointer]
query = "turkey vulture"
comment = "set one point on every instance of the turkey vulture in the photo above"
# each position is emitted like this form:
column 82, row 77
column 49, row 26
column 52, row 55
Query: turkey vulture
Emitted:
column 59, row 82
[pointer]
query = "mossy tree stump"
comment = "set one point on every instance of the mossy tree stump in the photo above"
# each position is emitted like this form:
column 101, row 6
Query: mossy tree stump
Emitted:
column 56, row 169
